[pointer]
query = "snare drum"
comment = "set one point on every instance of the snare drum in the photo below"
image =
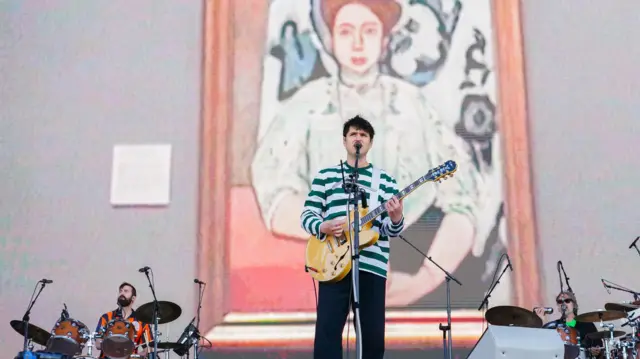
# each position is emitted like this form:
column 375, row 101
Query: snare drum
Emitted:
column 117, row 338
column 68, row 337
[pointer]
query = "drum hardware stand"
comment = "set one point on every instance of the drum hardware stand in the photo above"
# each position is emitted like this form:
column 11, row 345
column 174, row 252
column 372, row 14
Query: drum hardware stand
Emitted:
column 156, row 336
column 447, row 341
column 607, row 342
column 26, row 318
column 610, row 285
column 91, row 337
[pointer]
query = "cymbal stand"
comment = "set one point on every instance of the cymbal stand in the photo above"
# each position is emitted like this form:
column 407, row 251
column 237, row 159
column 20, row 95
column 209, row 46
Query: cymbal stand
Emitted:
column 26, row 318
column 156, row 334
column 608, row 342
column 196, row 334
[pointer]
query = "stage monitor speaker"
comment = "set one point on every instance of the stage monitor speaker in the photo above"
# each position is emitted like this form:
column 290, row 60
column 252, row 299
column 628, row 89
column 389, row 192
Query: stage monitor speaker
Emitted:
column 518, row 343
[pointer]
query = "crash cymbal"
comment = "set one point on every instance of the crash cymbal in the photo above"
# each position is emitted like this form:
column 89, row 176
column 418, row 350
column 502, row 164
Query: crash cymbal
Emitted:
column 621, row 307
column 506, row 315
column 601, row 315
column 604, row 334
column 36, row 334
column 167, row 312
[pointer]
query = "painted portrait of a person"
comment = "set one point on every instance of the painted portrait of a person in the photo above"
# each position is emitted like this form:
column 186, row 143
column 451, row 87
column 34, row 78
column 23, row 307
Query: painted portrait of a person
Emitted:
column 360, row 67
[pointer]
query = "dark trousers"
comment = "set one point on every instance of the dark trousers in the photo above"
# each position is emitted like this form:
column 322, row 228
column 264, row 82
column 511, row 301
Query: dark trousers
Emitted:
column 333, row 309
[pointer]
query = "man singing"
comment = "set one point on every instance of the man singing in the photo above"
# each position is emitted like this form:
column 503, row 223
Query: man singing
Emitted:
column 567, row 303
column 324, row 214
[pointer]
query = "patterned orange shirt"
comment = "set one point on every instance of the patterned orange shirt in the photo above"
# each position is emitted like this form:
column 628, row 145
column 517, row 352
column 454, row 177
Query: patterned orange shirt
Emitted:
column 140, row 328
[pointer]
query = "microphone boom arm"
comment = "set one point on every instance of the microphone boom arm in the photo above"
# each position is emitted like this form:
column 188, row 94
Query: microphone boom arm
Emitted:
column 566, row 278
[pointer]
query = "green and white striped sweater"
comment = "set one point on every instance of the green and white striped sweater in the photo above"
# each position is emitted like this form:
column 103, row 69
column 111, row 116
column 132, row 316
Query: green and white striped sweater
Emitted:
column 327, row 200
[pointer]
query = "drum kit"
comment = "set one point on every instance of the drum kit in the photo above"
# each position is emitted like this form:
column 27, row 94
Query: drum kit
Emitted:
column 69, row 337
column 616, row 343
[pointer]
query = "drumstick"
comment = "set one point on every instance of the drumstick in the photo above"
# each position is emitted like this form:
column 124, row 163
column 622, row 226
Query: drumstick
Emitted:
column 144, row 334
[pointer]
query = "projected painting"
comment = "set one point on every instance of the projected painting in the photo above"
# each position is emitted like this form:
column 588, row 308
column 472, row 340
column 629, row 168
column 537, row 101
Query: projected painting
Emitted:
column 438, row 80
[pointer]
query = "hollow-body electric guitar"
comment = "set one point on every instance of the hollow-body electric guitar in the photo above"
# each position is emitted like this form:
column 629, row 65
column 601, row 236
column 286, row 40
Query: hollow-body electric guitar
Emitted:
column 329, row 260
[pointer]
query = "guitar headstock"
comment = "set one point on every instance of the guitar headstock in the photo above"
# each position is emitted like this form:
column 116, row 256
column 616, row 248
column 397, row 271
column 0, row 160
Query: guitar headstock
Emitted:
column 441, row 172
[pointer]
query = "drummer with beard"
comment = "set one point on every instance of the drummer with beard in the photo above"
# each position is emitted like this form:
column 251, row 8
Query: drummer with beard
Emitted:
column 568, row 304
column 126, row 298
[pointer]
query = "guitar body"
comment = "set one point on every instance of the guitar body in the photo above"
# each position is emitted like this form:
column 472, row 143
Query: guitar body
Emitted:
column 330, row 260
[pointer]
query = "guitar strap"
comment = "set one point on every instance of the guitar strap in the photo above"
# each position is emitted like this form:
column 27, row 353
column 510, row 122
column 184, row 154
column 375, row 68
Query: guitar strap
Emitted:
column 375, row 187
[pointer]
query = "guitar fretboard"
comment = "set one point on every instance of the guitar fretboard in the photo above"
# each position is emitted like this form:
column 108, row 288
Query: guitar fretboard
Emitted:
column 402, row 194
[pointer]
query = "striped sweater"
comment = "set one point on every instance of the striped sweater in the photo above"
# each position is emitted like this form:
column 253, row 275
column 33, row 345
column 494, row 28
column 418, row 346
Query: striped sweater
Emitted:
column 327, row 200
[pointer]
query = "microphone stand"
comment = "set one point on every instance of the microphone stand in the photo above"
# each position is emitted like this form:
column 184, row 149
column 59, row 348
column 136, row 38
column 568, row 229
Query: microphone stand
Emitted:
column 485, row 301
column 447, row 341
column 26, row 317
column 636, row 295
column 354, row 191
column 155, row 315
column 197, row 333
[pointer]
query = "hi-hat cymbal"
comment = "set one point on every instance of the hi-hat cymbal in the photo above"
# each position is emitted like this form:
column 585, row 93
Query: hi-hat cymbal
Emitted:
column 506, row 315
column 36, row 334
column 167, row 312
column 621, row 307
column 604, row 334
column 601, row 315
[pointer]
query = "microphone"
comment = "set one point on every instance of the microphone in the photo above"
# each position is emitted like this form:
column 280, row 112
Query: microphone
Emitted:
column 65, row 314
column 547, row 310
column 605, row 286
column 46, row 281
column 634, row 242
column 358, row 145
column 510, row 266
column 144, row 269
column 197, row 281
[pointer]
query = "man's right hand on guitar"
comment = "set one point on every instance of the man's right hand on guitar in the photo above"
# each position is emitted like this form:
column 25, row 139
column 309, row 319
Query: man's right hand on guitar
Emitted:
column 333, row 227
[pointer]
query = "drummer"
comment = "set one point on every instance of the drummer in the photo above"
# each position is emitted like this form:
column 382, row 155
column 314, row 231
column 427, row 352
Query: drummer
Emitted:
column 126, row 297
column 567, row 303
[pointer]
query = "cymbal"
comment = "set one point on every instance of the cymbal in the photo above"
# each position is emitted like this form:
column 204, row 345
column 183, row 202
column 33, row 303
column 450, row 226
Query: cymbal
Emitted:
column 36, row 334
column 167, row 312
column 506, row 315
column 600, row 314
column 621, row 307
column 604, row 334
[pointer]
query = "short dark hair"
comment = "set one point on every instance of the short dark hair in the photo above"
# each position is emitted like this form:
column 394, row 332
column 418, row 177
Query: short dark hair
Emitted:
column 133, row 289
column 358, row 123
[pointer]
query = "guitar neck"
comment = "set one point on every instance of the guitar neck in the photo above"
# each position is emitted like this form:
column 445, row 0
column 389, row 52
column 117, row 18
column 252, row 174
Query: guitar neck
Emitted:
column 402, row 194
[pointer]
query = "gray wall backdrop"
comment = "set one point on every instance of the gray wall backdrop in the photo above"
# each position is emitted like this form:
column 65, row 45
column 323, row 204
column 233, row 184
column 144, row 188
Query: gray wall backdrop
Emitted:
column 81, row 76
column 77, row 78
